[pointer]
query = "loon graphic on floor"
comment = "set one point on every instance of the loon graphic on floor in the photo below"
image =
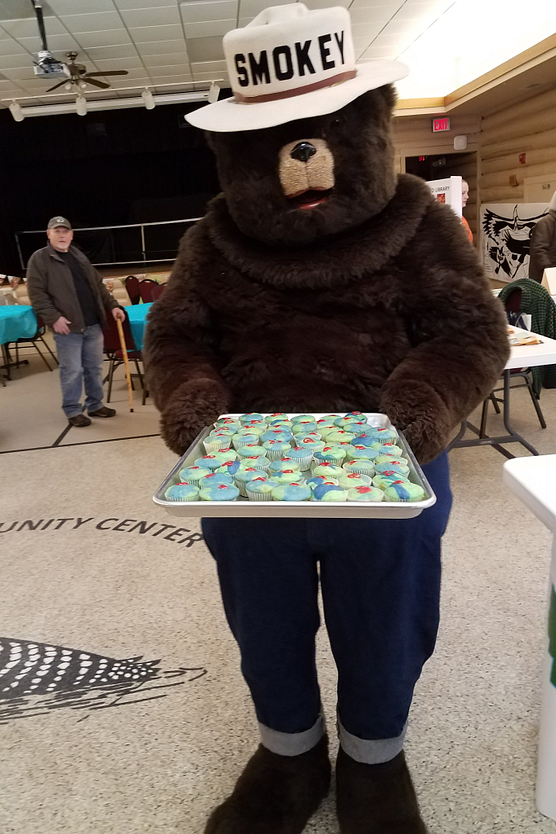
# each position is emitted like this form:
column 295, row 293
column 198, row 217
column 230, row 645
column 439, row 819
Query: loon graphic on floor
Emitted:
column 74, row 678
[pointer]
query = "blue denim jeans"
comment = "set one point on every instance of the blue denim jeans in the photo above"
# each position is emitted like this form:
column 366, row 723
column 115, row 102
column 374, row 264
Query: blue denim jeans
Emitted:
column 81, row 356
column 380, row 581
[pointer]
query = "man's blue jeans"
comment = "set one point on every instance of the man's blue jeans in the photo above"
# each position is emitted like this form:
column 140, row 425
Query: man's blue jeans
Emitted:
column 81, row 357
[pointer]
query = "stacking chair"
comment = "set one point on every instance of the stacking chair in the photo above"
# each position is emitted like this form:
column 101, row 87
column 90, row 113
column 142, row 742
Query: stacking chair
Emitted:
column 158, row 290
column 146, row 290
column 32, row 342
column 132, row 287
column 113, row 350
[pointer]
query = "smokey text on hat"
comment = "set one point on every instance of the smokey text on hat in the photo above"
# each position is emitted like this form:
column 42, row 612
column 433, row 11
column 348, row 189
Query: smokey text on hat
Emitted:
column 326, row 52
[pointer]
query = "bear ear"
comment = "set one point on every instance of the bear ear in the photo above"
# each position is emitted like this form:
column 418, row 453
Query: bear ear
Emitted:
column 389, row 94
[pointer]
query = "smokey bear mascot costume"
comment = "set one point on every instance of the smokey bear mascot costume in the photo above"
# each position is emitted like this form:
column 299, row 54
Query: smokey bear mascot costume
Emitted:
column 320, row 281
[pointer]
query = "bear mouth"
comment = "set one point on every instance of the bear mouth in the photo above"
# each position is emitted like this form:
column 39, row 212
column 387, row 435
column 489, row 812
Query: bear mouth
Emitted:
column 307, row 200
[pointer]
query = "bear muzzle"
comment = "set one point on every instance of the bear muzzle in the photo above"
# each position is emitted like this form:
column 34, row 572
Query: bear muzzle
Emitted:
column 306, row 170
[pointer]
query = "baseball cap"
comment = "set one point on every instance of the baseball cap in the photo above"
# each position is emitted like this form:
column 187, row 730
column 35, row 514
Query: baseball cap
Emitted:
column 58, row 221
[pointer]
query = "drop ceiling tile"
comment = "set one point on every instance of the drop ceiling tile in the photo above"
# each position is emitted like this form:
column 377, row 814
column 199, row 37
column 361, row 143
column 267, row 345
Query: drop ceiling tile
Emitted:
column 17, row 73
column 209, row 29
column 201, row 11
column 119, row 63
column 56, row 43
column 165, row 60
column 212, row 76
column 172, row 69
column 133, row 72
column 28, row 28
column 368, row 31
column 162, row 47
column 251, row 8
column 376, row 14
column 127, row 50
column 324, row 4
column 157, row 16
column 11, row 47
column 78, row 23
column 243, row 21
column 147, row 34
column 205, row 49
column 209, row 66
column 112, row 37
column 62, row 7
column 139, row 4
column 134, row 81
column 373, row 53
column 388, row 40
column 17, row 61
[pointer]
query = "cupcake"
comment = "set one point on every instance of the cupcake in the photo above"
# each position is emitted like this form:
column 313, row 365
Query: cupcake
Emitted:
column 216, row 478
column 276, row 434
column 382, row 433
column 288, row 476
column 356, row 451
column 259, row 489
column 225, row 455
column 310, row 441
column 324, row 427
column 329, row 470
column 350, row 480
column 361, row 466
column 193, row 474
column 276, row 417
column 248, row 439
column 229, row 468
column 365, row 493
column 389, row 458
column 276, row 449
column 351, row 420
column 228, row 431
column 365, row 440
column 386, row 479
column 215, row 441
column 340, row 436
column 250, row 450
column 227, row 422
column 211, row 462
column 283, row 464
column 243, row 475
column 393, row 465
column 316, row 480
column 286, row 425
column 404, row 491
column 302, row 457
column 304, row 427
column 182, row 492
column 303, row 418
column 249, row 418
column 388, row 449
column 291, row 492
column 220, row 492
column 258, row 461
column 329, row 492
column 330, row 454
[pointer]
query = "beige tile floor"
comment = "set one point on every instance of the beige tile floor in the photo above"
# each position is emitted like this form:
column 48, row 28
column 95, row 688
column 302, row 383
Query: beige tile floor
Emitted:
column 100, row 574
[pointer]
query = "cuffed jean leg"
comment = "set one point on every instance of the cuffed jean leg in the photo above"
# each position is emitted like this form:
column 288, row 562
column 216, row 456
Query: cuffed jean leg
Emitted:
column 92, row 358
column 269, row 584
column 69, row 350
column 381, row 589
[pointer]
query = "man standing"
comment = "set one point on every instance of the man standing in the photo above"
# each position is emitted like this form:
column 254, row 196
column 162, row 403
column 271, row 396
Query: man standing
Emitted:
column 67, row 291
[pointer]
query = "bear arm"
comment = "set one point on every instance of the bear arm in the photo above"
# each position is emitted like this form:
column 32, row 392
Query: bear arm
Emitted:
column 181, row 368
column 458, row 354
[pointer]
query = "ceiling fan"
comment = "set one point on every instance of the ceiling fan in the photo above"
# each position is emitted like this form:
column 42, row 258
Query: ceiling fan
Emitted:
column 79, row 76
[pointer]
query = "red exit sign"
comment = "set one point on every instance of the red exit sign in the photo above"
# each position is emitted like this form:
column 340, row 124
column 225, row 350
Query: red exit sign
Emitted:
column 439, row 125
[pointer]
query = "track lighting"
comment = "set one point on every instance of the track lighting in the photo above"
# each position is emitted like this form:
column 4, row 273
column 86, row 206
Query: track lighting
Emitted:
column 213, row 93
column 81, row 105
column 16, row 111
column 68, row 86
column 147, row 97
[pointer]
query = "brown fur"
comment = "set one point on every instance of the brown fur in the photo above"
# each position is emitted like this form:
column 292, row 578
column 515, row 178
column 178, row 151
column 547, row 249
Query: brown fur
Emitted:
column 373, row 301
column 275, row 794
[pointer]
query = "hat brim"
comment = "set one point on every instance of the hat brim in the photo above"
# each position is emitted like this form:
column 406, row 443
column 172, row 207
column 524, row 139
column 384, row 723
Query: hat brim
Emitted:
column 230, row 115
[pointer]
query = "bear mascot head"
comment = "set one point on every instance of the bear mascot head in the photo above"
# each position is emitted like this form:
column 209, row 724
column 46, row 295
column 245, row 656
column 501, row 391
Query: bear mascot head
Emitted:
column 319, row 280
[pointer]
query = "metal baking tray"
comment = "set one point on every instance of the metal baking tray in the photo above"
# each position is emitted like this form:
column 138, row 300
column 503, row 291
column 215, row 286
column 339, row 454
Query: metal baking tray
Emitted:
column 300, row 509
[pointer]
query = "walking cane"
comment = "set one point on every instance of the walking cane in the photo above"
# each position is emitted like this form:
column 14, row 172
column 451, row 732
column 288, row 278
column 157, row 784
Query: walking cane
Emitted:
column 126, row 362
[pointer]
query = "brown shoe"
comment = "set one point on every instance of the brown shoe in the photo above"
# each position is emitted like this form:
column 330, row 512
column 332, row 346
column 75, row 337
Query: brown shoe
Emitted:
column 79, row 420
column 275, row 794
column 102, row 412
column 376, row 799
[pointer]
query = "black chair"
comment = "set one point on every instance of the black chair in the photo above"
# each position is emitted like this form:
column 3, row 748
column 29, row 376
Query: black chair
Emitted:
column 31, row 341
column 113, row 351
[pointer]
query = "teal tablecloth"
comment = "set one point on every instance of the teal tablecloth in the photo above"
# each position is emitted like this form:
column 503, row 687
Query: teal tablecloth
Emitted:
column 137, row 315
column 17, row 321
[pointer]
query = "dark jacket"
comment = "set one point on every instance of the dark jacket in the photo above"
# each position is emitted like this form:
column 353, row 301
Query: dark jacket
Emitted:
column 52, row 290
column 543, row 246
column 394, row 315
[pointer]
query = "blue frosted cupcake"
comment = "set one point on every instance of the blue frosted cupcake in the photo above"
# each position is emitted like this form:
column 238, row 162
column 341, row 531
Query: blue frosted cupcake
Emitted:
column 259, row 461
column 276, row 417
column 283, row 464
column 329, row 470
column 216, row 441
column 249, row 418
column 225, row 455
column 324, row 427
column 277, row 434
column 303, row 418
column 211, row 462
column 182, row 492
column 351, row 421
column 316, row 480
column 386, row 479
column 216, row 478
column 230, row 467
column 330, row 454
column 382, row 433
column 404, row 491
column 310, row 441
column 393, row 465
column 249, row 450
column 356, row 451
column 361, row 466
column 302, row 457
column 288, row 476
column 368, row 494
column 243, row 475
column 350, row 480
column 291, row 492
column 388, row 449
column 244, row 439
column 341, row 437
column 193, row 474
column 260, row 489
column 304, row 427
column 221, row 492
column 276, row 449
column 329, row 492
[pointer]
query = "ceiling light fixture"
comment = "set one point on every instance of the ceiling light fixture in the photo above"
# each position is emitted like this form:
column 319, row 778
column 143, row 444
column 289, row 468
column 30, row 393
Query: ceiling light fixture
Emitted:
column 213, row 93
column 68, row 86
column 148, row 98
column 16, row 111
column 81, row 105
column 112, row 103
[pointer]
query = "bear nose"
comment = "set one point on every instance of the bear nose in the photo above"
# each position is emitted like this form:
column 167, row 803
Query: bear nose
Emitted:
column 303, row 151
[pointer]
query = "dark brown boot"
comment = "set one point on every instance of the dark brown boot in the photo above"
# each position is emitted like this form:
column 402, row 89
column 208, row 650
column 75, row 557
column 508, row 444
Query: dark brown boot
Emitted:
column 275, row 794
column 376, row 799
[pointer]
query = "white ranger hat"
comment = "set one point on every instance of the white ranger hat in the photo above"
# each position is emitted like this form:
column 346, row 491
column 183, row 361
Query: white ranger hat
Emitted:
column 291, row 63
